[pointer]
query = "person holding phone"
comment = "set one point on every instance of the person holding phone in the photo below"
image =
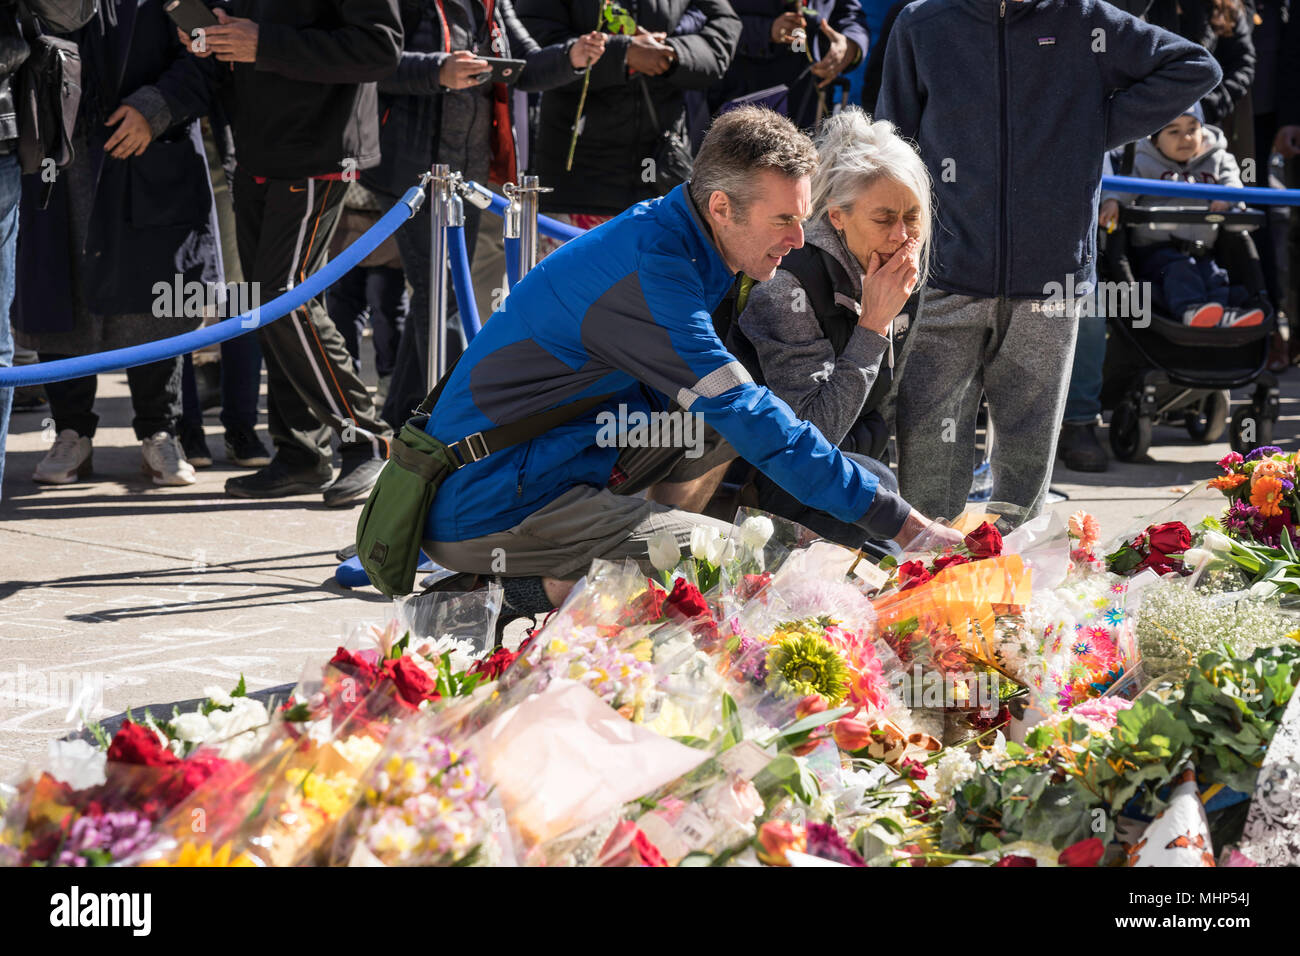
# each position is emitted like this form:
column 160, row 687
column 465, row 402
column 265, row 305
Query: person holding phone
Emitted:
column 441, row 106
column 297, row 81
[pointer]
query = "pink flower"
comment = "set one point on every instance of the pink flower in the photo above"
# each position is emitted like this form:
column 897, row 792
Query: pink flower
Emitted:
column 1084, row 527
column 1230, row 461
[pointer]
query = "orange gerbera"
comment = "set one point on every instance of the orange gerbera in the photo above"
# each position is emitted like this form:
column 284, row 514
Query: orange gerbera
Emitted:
column 1227, row 482
column 1265, row 496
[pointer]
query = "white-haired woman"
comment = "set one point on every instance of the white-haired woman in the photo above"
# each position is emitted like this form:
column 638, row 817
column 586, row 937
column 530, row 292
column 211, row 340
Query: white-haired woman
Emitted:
column 817, row 332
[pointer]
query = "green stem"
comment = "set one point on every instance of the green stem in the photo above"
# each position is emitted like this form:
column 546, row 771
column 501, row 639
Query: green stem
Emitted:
column 577, row 121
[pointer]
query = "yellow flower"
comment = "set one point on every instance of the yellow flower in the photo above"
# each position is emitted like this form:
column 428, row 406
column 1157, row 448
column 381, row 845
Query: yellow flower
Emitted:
column 203, row 856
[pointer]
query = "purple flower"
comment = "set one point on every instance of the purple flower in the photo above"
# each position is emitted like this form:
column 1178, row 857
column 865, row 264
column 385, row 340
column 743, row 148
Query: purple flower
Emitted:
column 825, row 841
column 121, row 834
column 1262, row 451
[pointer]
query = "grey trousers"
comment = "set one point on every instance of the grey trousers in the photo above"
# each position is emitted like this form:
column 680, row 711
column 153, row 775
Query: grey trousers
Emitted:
column 563, row 537
column 1018, row 354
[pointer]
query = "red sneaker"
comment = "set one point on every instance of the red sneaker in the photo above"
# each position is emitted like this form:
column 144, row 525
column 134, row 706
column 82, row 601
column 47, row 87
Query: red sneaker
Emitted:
column 1205, row 316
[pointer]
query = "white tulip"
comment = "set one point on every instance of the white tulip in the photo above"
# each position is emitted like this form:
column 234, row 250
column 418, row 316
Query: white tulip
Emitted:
column 1195, row 557
column 755, row 532
column 1263, row 590
column 720, row 551
column 665, row 552
column 1216, row 542
column 701, row 536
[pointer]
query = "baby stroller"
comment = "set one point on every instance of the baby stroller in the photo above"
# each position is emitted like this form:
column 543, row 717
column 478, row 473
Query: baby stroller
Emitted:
column 1159, row 371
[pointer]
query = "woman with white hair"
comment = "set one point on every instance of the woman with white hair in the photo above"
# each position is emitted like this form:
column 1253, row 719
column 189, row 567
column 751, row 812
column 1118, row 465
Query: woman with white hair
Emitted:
column 817, row 332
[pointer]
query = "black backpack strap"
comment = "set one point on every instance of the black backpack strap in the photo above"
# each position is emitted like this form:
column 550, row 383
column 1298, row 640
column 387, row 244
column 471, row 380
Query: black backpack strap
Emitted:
column 479, row 445
column 828, row 287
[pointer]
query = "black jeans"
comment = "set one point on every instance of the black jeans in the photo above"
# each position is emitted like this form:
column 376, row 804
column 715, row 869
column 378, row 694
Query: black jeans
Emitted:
column 408, row 387
column 155, row 397
column 377, row 293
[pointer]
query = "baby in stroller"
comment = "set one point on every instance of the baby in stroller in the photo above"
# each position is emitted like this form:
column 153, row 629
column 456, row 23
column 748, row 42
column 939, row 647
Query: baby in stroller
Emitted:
column 1179, row 262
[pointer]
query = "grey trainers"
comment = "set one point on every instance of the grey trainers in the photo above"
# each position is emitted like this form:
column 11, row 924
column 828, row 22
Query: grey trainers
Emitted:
column 68, row 460
column 164, row 461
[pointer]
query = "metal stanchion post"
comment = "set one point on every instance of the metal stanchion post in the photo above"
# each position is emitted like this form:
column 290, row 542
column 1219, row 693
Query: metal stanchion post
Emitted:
column 528, row 227
column 439, row 208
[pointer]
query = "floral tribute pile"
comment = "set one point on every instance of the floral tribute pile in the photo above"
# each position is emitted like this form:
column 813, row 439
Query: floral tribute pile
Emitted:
column 1024, row 698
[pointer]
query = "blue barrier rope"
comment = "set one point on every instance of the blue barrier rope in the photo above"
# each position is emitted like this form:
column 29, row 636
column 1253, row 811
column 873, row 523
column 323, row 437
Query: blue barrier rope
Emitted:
column 512, row 262
column 545, row 224
column 1158, row 187
column 462, row 281
column 83, row 365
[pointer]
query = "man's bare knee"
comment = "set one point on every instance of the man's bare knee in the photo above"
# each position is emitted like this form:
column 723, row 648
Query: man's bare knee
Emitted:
column 557, row 590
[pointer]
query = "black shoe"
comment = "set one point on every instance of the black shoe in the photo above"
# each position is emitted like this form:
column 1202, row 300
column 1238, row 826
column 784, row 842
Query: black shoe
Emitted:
column 243, row 447
column 354, row 482
column 277, row 481
column 195, row 446
column 1080, row 450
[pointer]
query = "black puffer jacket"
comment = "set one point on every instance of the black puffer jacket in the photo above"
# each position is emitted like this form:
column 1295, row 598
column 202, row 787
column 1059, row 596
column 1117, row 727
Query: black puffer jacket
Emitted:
column 618, row 135
column 306, row 107
column 421, row 122
column 1235, row 53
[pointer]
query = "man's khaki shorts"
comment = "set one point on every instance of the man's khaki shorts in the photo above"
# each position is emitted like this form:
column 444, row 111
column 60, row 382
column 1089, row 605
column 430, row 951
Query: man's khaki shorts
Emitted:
column 562, row 538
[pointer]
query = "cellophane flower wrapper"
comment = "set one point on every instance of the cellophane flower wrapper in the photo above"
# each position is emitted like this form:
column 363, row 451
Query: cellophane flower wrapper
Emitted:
column 562, row 760
column 423, row 802
column 462, row 624
column 106, row 811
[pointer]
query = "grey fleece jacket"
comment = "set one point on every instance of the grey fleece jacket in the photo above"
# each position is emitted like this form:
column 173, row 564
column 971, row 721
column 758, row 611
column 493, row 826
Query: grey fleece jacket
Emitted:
column 1213, row 166
column 796, row 358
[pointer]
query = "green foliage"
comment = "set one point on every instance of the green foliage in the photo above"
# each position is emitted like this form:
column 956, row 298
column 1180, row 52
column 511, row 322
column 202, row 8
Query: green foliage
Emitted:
column 616, row 19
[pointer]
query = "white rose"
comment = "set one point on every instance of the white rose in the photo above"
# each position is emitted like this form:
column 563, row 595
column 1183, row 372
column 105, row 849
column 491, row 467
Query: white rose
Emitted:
column 218, row 696
column 702, row 536
column 192, row 728
column 665, row 552
column 756, row 531
column 76, row 763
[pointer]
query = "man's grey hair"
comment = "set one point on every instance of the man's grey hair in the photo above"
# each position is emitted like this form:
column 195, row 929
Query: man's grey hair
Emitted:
column 854, row 154
column 741, row 143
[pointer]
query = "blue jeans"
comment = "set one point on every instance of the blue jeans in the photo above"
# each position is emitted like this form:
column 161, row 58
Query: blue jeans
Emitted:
column 1180, row 281
column 241, row 381
column 11, row 191
column 1083, row 401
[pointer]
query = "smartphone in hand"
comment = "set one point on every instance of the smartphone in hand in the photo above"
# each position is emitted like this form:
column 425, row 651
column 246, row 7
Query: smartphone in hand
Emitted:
column 190, row 15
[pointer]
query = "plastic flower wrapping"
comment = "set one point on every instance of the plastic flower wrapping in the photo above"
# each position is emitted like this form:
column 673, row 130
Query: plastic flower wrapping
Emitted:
column 762, row 699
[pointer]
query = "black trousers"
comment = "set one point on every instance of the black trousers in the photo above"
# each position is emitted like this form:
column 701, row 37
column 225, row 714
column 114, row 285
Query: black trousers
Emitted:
column 283, row 228
column 155, row 398
column 376, row 294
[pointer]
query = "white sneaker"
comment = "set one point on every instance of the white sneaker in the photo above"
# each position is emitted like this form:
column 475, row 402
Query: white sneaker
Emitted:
column 165, row 461
column 67, row 461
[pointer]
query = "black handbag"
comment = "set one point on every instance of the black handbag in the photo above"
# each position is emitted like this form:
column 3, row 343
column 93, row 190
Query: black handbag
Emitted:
column 672, row 153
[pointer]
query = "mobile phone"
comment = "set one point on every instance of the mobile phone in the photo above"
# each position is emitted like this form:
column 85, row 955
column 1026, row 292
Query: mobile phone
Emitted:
column 190, row 15
column 503, row 70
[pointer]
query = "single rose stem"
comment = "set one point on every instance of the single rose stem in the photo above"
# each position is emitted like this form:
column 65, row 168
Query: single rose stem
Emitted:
column 582, row 99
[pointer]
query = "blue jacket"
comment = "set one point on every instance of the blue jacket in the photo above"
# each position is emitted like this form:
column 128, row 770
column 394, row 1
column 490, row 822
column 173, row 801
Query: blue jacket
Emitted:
column 625, row 310
column 1013, row 121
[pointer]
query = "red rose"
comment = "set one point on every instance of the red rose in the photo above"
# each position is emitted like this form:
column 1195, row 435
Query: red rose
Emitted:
column 686, row 601
column 1013, row 860
column 984, row 542
column 413, row 684
column 645, row 607
column 949, row 561
column 912, row 573
column 647, row 851
column 494, row 665
column 1085, row 852
column 1172, row 537
column 626, row 845
column 751, row 584
column 139, row 745
column 193, row 773
column 354, row 665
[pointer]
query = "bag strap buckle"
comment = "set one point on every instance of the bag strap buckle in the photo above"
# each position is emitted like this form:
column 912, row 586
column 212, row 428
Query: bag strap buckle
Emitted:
column 465, row 447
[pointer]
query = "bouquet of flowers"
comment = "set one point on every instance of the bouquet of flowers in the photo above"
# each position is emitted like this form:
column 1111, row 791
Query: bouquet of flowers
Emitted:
column 1260, row 488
